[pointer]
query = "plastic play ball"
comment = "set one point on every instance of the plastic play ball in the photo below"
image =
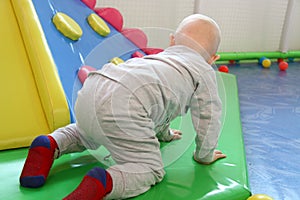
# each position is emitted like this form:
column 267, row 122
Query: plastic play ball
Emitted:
column 266, row 63
column 283, row 66
column 261, row 60
column 223, row 68
column 279, row 60
column 231, row 62
column 260, row 197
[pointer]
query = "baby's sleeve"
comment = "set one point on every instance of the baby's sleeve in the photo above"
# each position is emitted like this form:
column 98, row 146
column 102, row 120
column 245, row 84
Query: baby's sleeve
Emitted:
column 165, row 134
column 206, row 111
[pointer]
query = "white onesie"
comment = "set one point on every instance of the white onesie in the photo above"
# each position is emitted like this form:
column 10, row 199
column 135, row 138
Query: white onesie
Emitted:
column 128, row 109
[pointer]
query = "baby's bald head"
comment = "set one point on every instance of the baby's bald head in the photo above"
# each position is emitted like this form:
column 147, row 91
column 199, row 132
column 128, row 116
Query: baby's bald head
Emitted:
column 200, row 33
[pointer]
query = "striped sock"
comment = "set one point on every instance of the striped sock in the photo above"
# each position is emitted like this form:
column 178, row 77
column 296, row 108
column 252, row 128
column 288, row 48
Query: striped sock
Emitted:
column 38, row 162
column 94, row 186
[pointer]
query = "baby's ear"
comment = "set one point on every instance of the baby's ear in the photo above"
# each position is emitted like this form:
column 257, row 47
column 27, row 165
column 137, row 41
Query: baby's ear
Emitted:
column 213, row 59
column 172, row 39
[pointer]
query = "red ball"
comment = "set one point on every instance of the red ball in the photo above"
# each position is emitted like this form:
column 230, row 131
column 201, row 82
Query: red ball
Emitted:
column 279, row 60
column 223, row 68
column 283, row 65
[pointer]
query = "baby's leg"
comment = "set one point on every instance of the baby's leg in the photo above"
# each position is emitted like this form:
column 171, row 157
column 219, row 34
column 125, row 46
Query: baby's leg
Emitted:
column 109, row 114
column 136, row 151
column 139, row 167
column 43, row 151
column 133, row 179
column 68, row 140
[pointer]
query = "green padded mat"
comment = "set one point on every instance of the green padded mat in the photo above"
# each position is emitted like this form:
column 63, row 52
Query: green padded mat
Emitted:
column 226, row 179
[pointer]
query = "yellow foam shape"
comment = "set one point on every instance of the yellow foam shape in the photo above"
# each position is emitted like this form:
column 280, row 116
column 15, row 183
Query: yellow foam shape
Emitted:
column 116, row 60
column 67, row 26
column 98, row 25
column 33, row 100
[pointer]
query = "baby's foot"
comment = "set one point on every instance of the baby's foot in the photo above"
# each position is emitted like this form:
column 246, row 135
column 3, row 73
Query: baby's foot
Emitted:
column 94, row 186
column 41, row 155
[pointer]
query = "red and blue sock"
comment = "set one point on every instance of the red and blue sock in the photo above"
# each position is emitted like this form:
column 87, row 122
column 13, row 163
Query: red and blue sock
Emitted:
column 38, row 162
column 96, row 184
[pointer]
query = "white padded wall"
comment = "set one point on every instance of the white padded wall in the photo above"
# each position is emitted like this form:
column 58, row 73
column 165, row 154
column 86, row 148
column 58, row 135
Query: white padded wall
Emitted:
column 294, row 27
column 157, row 18
column 247, row 26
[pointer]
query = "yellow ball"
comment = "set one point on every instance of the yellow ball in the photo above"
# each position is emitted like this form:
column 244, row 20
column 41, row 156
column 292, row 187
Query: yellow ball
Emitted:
column 266, row 63
column 260, row 197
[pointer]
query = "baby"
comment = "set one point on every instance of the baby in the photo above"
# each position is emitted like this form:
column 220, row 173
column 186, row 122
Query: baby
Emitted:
column 128, row 109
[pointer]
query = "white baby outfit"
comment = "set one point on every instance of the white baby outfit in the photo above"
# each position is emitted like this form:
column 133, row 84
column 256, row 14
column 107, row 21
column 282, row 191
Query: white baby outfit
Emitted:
column 128, row 109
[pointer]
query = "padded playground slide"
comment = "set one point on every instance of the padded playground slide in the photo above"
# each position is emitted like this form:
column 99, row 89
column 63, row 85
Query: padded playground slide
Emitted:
column 32, row 99
column 185, row 179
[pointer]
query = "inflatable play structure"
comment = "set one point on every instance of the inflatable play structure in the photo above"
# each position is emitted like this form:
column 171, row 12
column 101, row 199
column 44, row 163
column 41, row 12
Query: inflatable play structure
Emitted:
column 47, row 49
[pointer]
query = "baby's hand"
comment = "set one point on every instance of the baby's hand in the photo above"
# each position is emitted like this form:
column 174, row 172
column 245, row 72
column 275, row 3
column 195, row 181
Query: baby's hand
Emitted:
column 217, row 155
column 176, row 134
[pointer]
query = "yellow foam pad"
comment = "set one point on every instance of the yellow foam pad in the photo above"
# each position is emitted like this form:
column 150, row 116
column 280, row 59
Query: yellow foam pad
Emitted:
column 98, row 25
column 32, row 101
column 67, row 26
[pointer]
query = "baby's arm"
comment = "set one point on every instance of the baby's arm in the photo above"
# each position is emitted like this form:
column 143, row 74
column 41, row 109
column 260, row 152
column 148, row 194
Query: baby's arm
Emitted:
column 206, row 110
